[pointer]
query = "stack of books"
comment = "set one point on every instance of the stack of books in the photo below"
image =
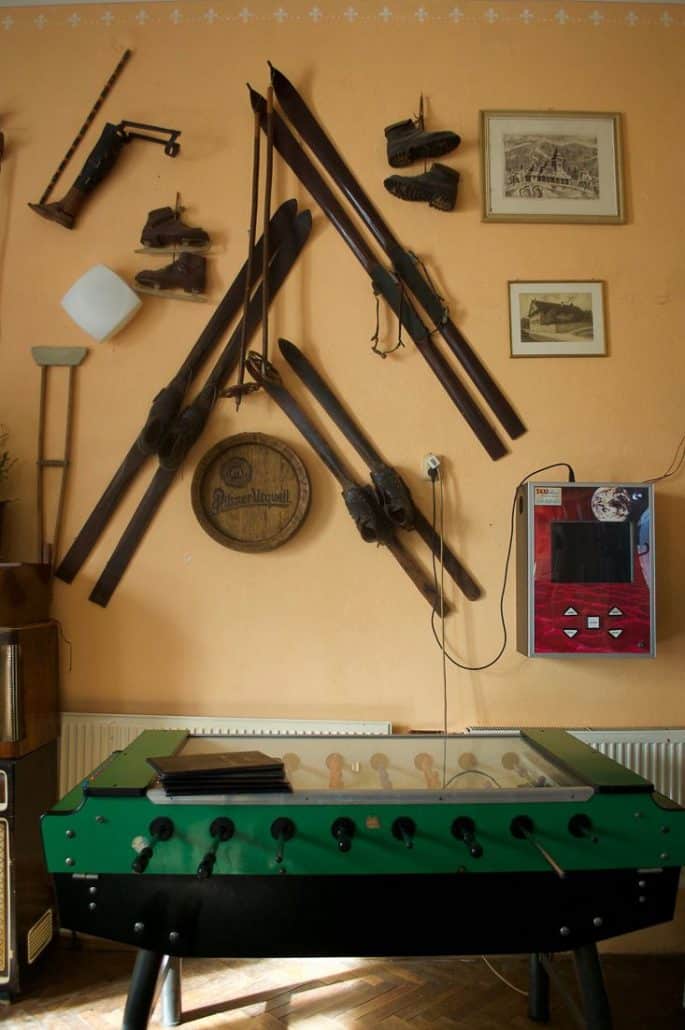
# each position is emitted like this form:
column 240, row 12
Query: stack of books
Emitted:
column 226, row 772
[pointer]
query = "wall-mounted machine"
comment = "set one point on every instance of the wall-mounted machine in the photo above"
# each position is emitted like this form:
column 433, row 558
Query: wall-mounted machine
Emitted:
column 585, row 569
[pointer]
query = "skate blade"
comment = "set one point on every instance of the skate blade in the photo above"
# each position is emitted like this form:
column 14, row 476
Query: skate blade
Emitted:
column 197, row 298
column 206, row 248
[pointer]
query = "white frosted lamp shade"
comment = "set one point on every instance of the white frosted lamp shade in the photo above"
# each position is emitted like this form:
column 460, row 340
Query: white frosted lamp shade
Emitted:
column 101, row 303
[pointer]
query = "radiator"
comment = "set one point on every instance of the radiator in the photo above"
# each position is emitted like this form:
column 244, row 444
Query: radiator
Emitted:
column 656, row 754
column 87, row 739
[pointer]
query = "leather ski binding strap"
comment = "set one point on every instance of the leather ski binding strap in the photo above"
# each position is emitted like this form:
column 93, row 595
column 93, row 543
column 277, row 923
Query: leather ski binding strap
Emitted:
column 394, row 496
column 364, row 513
column 168, row 140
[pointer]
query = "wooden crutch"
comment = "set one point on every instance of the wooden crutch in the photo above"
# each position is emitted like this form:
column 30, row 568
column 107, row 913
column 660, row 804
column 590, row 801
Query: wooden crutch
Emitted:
column 46, row 358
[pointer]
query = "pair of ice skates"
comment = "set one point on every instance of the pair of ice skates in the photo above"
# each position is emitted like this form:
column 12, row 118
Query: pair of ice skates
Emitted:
column 407, row 142
column 185, row 278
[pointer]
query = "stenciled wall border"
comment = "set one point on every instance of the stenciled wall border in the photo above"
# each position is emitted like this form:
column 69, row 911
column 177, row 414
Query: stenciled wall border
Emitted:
column 608, row 15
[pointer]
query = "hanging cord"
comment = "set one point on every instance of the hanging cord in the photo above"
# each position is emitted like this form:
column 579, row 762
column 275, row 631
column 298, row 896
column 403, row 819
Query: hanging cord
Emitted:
column 487, row 665
column 66, row 641
column 503, row 978
column 439, row 529
column 267, row 215
column 375, row 338
column 676, row 463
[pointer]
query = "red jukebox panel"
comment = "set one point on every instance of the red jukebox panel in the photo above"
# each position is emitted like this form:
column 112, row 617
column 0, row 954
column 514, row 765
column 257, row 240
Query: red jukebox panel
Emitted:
column 585, row 569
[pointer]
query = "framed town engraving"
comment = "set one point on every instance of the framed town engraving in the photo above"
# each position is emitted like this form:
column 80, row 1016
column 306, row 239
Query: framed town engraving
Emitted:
column 556, row 319
column 551, row 166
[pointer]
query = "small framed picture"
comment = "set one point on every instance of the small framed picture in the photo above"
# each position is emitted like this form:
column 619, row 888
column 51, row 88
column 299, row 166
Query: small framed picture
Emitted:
column 561, row 319
column 551, row 166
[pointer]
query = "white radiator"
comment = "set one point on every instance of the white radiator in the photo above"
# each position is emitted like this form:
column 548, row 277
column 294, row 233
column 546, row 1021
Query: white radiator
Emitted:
column 656, row 754
column 86, row 740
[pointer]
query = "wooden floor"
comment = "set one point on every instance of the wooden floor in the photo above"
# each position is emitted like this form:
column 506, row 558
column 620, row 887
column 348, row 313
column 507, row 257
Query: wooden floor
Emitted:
column 86, row 988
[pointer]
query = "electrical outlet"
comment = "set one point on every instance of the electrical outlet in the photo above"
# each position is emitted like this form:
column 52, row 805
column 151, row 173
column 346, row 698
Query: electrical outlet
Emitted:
column 430, row 465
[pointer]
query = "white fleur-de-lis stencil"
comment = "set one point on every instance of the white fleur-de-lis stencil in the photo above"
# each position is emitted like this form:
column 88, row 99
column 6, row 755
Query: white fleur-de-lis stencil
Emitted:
column 455, row 15
column 7, row 22
column 107, row 18
column 527, row 16
column 596, row 17
column 350, row 14
column 245, row 15
column 40, row 22
column 421, row 15
column 666, row 19
column 632, row 19
column 491, row 15
column 210, row 16
column 561, row 16
column 176, row 16
column 385, row 15
column 142, row 17
column 280, row 15
column 316, row 14
column 74, row 20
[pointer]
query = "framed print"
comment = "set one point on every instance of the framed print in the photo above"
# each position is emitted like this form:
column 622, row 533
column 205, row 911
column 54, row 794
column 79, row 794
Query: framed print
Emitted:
column 560, row 319
column 551, row 166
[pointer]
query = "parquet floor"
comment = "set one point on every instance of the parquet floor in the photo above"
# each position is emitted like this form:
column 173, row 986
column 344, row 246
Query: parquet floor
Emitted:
column 86, row 988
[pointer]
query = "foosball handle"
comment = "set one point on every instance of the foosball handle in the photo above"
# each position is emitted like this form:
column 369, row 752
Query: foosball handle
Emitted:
column 343, row 829
column 464, row 830
column 522, row 827
column 222, row 829
column 161, row 829
column 580, row 825
column 282, row 830
column 404, row 829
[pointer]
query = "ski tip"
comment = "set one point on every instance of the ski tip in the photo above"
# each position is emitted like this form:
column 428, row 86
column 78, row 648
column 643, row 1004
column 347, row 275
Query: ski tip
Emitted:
column 304, row 219
column 256, row 99
column 287, row 348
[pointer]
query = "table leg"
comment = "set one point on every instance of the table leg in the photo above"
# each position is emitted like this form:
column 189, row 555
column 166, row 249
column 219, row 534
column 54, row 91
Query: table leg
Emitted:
column 595, row 1001
column 141, row 991
column 171, row 992
column 538, row 990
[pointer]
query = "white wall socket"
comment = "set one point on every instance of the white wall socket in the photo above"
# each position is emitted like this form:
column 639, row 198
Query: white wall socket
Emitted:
column 429, row 463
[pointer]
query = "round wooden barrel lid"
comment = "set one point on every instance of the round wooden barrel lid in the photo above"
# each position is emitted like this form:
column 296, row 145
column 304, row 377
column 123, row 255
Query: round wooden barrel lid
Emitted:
column 251, row 492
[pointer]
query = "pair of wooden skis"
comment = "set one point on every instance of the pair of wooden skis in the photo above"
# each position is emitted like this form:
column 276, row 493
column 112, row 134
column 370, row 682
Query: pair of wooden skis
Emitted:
column 170, row 430
column 405, row 277
column 376, row 511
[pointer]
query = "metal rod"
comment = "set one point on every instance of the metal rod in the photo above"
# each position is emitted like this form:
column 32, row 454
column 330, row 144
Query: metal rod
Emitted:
column 86, row 125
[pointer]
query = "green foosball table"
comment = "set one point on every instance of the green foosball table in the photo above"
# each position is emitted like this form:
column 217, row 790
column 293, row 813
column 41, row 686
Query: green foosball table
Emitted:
column 527, row 842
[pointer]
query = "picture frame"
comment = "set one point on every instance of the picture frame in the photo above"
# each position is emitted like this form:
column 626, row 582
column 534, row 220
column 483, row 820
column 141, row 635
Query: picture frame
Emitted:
column 552, row 166
column 557, row 319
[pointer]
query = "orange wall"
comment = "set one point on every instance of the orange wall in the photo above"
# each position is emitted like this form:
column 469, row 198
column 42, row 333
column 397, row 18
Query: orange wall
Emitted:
column 326, row 626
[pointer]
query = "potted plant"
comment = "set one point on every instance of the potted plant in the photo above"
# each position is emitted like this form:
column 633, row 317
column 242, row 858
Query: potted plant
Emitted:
column 6, row 463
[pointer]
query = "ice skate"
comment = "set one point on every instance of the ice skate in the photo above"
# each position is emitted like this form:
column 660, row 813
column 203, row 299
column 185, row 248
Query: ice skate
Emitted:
column 438, row 187
column 183, row 279
column 407, row 142
column 165, row 233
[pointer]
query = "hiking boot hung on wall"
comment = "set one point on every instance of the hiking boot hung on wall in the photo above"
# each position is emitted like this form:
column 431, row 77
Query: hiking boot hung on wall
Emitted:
column 165, row 229
column 437, row 186
column 185, row 277
column 408, row 142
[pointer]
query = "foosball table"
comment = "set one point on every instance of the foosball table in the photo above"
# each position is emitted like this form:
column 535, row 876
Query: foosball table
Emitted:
column 525, row 842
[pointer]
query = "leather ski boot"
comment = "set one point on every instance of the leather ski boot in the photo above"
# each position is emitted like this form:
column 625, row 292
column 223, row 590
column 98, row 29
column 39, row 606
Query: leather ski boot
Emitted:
column 186, row 274
column 99, row 163
column 408, row 142
column 438, row 186
column 164, row 228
